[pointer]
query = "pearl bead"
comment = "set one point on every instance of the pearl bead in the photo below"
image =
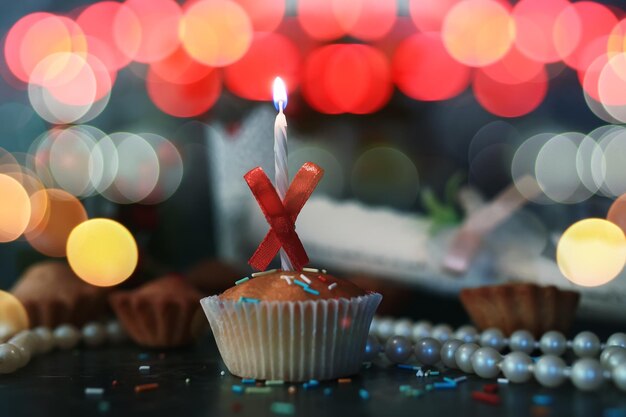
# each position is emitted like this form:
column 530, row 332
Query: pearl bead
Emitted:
column 66, row 336
column 94, row 334
column 485, row 362
column 442, row 332
column 619, row 376
column 606, row 354
column 427, row 351
column 587, row 374
column 9, row 358
column 46, row 340
column 398, row 349
column 617, row 339
column 493, row 338
column 448, row 349
column 522, row 341
column 553, row 343
column 372, row 348
column 385, row 328
column 466, row 334
column 421, row 329
column 463, row 356
column 115, row 332
column 617, row 358
column 27, row 345
column 586, row 345
column 550, row 371
column 517, row 367
column 403, row 328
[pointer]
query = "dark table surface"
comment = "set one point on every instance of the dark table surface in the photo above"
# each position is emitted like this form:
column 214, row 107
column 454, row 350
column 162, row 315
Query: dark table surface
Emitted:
column 54, row 385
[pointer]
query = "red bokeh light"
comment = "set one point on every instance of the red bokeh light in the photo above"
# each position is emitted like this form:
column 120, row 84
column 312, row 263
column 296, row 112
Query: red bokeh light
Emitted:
column 180, row 68
column 265, row 15
column 577, row 30
column 156, row 34
column 514, row 68
column 184, row 100
column 317, row 18
column 270, row 55
column 423, row 69
column 509, row 100
column 374, row 18
column 428, row 15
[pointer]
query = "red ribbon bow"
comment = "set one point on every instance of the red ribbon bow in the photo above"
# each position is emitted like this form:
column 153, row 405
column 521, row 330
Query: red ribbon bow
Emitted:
column 282, row 215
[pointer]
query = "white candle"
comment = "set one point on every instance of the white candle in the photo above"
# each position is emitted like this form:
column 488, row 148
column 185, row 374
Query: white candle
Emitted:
column 281, row 177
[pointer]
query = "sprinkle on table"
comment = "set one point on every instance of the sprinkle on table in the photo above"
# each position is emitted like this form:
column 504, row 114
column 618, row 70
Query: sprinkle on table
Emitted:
column 490, row 388
column 331, row 286
column 260, row 274
column 503, row 381
column 258, row 390
column 292, row 390
column 248, row 381
column 187, row 381
column 146, row 387
column 114, row 383
column 542, row 399
column 313, row 270
column 344, row 380
column 270, row 382
column 409, row 367
column 249, row 300
column 444, row 385
column 305, row 279
column 492, row 399
column 143, row 356
column 364, row 394
column 237, row 389
column 282, row 408
column 222, row 373
column 242, row 280
column 94, row 391
column 311, row 291
column 144, row 369
column 328, row 391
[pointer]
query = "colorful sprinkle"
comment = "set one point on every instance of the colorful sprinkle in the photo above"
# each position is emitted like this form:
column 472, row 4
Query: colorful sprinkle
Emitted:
column 314, row 382
column 248, row 381
column 104, row 406
column 260, row 274
column 503, row 381
column 274, row 382
column 314, row 270
column 328, row 391
column 242, row 280
column 444, row 385
column 433, row 373
column 222, row 373
column 282, row 408
column 324, row 271
column 344, row 380
column 249, row 300
column 305, row 279
column 300, row 283
column 258, row 390
column 237, row 389
column 364, row 394
column 321, row 278
column 144, row 369
column 490, row 388
column 615, row 412
column 331, row 286
column 94, row 391
column 187, row 381
column 146, row 387
column 311, row 291
column 460, row 379
column 541, row 399
column 429, row 387
column 286, row 278
column 143, row 356
column 484, row 397
column 292, row 390
column 449, row 380
column 409, row 367
column 404, row 388
column 419, row 373
column 114, row 383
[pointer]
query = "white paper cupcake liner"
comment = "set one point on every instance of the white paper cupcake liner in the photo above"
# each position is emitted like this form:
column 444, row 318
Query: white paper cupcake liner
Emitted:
column 292, row 340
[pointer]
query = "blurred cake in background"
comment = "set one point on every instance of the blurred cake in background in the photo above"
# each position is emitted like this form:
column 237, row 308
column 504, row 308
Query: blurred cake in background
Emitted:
column 213, row 276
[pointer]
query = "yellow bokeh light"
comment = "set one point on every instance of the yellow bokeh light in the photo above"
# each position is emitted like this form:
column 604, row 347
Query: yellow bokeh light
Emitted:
column 591, row 252
column 478, row 33
column 102, row 252
column 13, row 316
column 14, row 209
column 216, row 32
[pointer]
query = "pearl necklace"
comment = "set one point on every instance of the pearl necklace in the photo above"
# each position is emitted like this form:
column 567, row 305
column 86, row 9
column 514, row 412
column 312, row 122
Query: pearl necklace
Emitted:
column 19, row 349
column 458, row 350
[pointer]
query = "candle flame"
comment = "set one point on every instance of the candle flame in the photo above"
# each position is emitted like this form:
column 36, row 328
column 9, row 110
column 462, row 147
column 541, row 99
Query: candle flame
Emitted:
column 280, row 94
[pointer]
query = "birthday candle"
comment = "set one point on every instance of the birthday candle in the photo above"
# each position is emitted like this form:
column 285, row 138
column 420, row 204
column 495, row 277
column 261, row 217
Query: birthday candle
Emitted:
column 281, row 177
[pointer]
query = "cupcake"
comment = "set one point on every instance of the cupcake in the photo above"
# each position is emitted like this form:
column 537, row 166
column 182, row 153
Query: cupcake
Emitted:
column 212, row 276
column 53, row 295
column 163, row 313
column 291, row 326
column 517, row 306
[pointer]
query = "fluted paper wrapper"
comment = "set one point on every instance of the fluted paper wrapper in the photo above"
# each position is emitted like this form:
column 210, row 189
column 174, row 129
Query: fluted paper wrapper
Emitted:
column 292, row 340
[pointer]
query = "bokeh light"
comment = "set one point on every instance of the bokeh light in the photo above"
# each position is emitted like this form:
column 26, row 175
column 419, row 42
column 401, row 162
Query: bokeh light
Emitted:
column 478, row 32
column 617, row 212
column 428, row 15
column 270, row 54
column 180, row 68
column 265, row 15
column 317, row 18
column 591, row 252
column 63, row 213
column 15, row 209
column 333, row 181
column 216, row 32
column 424, row 70
column 514, row 68
column 367, row 19
column 13, row 316
column 170, row 168
column 523, row 167
column 102, row 252
column 153, row 34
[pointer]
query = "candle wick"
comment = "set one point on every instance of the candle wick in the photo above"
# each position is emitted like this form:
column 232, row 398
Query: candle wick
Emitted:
column 280, row 106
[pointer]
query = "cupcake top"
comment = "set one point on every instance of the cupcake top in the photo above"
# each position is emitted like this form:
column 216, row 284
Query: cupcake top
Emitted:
column 169, row 286
column 278, row 285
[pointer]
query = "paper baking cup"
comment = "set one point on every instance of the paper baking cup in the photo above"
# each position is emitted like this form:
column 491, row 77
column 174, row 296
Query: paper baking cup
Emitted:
column 292, row 340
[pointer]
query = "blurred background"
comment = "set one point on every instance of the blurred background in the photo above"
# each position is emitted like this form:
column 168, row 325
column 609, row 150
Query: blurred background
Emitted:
column 420, row 111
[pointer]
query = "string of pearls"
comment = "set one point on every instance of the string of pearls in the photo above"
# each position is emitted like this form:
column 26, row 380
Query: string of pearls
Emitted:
column 460, row 350
column 18, row 350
